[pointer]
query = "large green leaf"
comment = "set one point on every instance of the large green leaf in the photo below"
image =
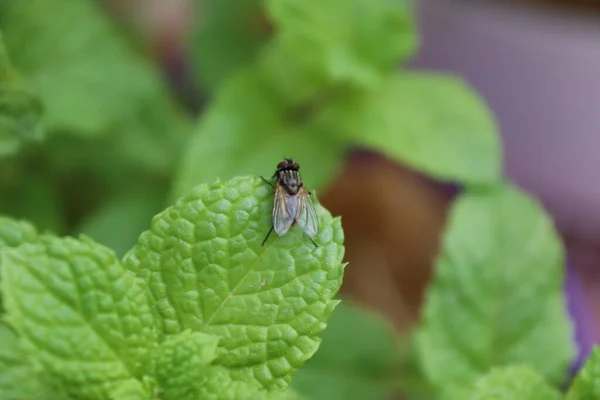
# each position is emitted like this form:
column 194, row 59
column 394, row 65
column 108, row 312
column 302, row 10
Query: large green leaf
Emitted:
column 72, row 56
column 586, row 385
column 358, row 359
column 431, row 122
column 78, row 313
column 496, row 298
column 18, row 378
column 208, row 272
column 247, row 130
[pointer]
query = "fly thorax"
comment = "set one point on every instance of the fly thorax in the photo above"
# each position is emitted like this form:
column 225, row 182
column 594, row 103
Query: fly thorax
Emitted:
column 290, row 180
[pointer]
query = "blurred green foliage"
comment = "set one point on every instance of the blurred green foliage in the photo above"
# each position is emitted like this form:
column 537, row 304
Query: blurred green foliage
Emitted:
column 93, row 140
column 308, row 80
column 325, row 77
column 112, row 128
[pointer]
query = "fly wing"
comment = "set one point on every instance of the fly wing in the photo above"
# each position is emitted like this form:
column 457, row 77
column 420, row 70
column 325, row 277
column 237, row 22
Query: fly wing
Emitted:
column 306, row 215
column 284, row 210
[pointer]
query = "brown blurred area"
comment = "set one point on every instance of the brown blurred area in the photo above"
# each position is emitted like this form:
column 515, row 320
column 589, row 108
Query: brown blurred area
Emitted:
column 393, row 219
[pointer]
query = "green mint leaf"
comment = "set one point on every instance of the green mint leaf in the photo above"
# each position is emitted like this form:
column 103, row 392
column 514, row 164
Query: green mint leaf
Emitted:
column 220, row 386
column 512, row 383
column 360, row 365
column 18, row 378
column 13, row 233
column 131, row 389
column 410, row 118
column 230, row 37
column 247, row 123
column 72, row 303
column 340, row 42
column 20, row 111
column 183, row 371
column 180, row 365
column 586, row 385
column 77, row 62
column 207, row 272
column 496, row 298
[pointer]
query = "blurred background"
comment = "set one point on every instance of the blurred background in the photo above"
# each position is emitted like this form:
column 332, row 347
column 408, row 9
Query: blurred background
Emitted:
column 106, row 169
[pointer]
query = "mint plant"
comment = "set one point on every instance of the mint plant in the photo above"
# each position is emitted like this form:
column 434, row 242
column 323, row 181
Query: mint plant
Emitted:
column 198, row 309
column 130, row 256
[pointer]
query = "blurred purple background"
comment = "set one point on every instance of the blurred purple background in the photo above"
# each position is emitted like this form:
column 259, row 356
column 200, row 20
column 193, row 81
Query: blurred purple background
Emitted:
column 539, row 70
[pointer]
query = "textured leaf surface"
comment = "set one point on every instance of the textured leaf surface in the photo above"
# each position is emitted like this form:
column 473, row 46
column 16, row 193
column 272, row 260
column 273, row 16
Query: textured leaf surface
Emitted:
column 18, row 379
column 77, row 62
column 512, row 383
column 586, row 385
column 431, row 122
column 496, row 298
column 14, row 233
column 180, row 365
column 220, row 386
column 20, row 110
column 340, row 42
column 207, row 271
column 246, row 130
column 131, row 389
column 84, row 318
column 357, row 359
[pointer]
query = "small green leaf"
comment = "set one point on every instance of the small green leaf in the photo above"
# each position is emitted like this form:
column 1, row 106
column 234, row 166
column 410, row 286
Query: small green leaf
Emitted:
column 586, row 385
column 431, row 122
column 340, row 42
column 72, row 56
column 361, row 365
column 496, row 298
column 246, row 131
column 512, row 383
column 207, row 271
column 79, row 312
column 18, row 378
column 181, row 363
column 230, row 37
column 20, row 111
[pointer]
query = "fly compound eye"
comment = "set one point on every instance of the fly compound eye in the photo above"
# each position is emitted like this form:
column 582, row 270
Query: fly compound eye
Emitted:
column 296, row 165
column 282, row 164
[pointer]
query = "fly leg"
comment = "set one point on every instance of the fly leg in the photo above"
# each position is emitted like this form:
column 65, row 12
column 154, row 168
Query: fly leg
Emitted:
column 313, row 242
column 266, row 237
column 267, row 182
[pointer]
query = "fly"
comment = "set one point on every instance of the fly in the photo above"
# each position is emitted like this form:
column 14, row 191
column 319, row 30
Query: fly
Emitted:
column 292, row 203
